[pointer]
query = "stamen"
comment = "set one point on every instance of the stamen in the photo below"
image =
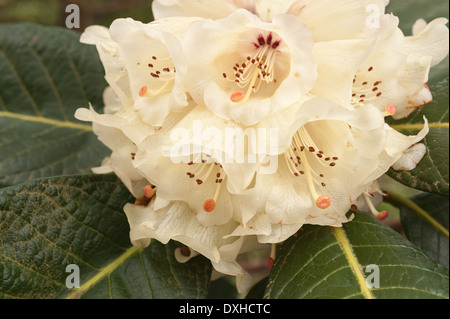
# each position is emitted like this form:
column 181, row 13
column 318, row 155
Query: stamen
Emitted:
column 323, row 201
column 363, row 90
column 210, row 204
column 379, row 215
column 261, row 40
column 259, row 67
column 204, row 170
column 241, row 96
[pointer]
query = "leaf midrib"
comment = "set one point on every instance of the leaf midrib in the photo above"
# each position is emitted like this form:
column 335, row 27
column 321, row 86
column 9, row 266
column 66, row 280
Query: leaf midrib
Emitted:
column 346, row 247
column 418, row 127
column 48, row 121
column 103, row 272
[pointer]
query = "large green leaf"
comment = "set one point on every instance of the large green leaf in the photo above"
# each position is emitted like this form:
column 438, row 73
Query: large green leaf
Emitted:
column 432, row 173
column 48, row 224
column 327, row 262
column 46, row 74
column 424, row 219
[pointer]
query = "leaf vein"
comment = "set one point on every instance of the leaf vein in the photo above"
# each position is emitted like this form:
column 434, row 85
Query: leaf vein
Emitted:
column 21, row 82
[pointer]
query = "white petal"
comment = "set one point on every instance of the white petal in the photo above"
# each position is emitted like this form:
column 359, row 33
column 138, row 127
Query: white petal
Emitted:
column 112, row 101
column 268, row 9
column 177, row 222
column 115, row 71
column 433, row 40
column 223, row 44
column 410, row 157
column 337, row 63
column 419, row 26
column 279, row 233
column 126, row 122
column 345, row 19
column 213, row 9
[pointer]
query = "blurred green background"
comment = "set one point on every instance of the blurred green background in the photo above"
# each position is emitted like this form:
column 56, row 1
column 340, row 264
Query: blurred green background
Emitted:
column 52, row 12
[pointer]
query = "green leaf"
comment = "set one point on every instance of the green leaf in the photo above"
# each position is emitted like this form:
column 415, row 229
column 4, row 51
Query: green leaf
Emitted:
column 46, row 74
column 48, row 224
column 257, row 291
column 223, row 288
column 431, row 175
column 327, row 262
column 424, row 218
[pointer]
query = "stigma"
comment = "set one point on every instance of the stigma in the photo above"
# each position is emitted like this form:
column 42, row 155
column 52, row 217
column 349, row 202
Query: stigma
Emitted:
column 205, row 171
column 299, row 157
column 160, row 76
column 377, row 214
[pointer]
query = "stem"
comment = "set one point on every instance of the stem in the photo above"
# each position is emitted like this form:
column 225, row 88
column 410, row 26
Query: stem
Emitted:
column 402, row 201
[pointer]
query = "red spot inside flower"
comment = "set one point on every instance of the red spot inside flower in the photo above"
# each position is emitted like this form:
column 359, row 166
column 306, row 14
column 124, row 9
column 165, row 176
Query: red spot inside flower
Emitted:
column 275, row 44
column 269, row 39
column 209, row 205
column 261, row 40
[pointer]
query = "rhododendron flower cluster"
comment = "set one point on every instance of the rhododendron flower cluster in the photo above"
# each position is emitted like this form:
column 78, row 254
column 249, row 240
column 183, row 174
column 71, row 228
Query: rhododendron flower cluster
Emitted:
column 234, row 123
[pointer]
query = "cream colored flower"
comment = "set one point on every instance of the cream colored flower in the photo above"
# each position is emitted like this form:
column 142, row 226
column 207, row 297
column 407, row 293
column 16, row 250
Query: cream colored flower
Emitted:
column 392, row 77
column 244, row 69
column 396, row 72
column 253, row 118
column 331, row 162
column 144, row 64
